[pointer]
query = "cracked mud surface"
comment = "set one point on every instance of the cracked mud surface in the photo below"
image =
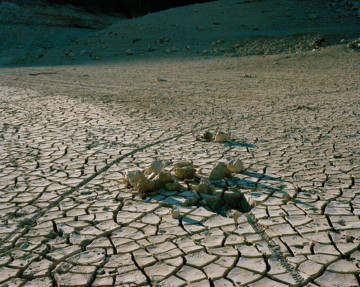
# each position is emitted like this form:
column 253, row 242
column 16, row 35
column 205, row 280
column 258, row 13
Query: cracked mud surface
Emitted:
column 69, row 133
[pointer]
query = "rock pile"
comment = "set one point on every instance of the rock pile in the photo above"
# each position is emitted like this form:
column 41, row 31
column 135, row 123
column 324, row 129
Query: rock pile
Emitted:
column 184, row 186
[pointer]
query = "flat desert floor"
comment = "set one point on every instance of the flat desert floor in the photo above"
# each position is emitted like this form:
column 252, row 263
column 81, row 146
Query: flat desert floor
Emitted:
column 278, row 81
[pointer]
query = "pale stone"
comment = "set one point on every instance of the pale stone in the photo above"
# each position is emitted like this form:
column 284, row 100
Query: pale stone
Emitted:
column 144, row 186
column 221, row 137
column 155, row 167
column 205, row 187
column 184, row 170
column 220, row 171
column 175, row 213
column 132, row 177
column 235, row 165
column 162, row 178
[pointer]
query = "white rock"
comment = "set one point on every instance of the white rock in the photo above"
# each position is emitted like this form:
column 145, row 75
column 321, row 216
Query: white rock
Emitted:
column 132, row 177
column 184, row 170
column 175, row 213
column 221, row 137
column 205, row 186
column 235, row 165
column 161, row 179
column 155, row 167
column 220, row 171
column 144, row 186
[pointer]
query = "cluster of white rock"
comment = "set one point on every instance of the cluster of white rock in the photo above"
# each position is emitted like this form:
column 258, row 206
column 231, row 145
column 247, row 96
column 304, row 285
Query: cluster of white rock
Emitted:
column 182, row 178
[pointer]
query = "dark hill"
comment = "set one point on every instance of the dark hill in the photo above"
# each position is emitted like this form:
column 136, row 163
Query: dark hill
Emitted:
column 131, row 8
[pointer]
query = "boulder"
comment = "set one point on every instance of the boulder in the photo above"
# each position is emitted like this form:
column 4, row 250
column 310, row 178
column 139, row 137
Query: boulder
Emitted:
column 220, row 171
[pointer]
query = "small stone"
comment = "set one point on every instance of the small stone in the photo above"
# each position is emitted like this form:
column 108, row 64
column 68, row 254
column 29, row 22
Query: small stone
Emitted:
column 162, row 179
column 233, row 198
column 220, row 171
column 235, row 214
column 133, row 177
column 175, row 213
column 221, row 137
column 173, row 186
column 207, row 135
column 205, row 187
column 145, row 186
column 155, row 167
column 235, row 165
column 129, row 53
column 184, row 170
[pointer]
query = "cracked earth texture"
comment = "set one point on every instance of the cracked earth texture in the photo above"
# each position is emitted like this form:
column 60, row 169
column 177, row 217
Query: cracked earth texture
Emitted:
column 69, row 133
